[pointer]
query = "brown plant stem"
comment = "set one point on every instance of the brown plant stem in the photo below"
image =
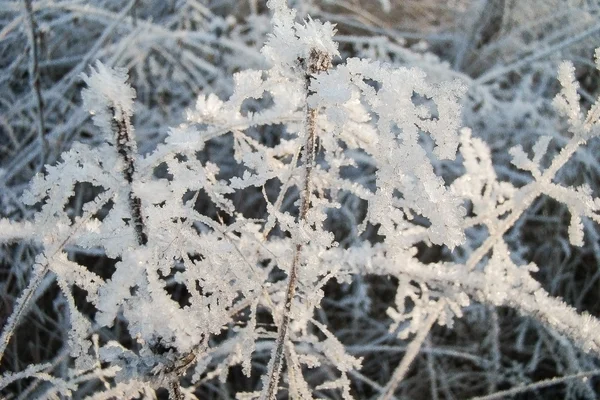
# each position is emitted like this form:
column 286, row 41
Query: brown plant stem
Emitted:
column 125, row 144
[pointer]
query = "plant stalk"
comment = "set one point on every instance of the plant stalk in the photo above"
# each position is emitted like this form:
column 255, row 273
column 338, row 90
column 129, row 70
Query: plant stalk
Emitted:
column 317, row 62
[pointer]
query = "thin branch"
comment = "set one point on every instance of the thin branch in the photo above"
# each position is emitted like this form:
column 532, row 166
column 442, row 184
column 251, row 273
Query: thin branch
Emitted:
column 412, row 351
column 34, row 79
column 317, row 62
column 529, row 193
column 125, row 144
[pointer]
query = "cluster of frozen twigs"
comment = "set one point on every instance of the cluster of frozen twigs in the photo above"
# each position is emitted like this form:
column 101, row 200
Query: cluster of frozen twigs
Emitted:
column 225, row 248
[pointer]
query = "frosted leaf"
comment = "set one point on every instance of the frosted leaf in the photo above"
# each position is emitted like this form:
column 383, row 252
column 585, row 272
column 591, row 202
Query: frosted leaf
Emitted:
column 480, row 184
column 282, row 45
column 116, row 290
column 539, row 149
column 567, row 101
column 331, row 88
column 521, row 160
column 248, row 85
column 291, row 41
column 576, row 231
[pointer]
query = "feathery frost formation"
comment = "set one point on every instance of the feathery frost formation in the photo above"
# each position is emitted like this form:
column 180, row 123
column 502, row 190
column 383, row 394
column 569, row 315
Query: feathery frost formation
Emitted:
column 237, row 270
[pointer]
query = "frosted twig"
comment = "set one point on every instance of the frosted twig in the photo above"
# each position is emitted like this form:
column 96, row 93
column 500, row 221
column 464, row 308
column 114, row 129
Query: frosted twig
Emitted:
column 530, row 193
column 317, row 62
column 411, row 352
column 125, row 144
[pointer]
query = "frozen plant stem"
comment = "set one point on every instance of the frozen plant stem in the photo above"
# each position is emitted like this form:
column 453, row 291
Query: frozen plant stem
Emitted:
column 34, row 78
column 318, row 61
column 125, row 143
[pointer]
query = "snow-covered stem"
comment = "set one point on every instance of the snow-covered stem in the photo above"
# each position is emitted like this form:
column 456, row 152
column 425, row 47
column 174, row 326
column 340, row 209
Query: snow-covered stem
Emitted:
column 318, row 62
column 109, row 99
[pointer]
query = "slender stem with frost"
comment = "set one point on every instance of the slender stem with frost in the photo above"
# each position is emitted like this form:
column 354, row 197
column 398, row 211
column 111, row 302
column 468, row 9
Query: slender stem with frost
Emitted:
column 411, row 353
column 125, row 145
column 317, row 62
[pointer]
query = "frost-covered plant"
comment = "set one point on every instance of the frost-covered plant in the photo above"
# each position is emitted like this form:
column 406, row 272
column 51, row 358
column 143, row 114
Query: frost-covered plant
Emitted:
column 199, row 283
